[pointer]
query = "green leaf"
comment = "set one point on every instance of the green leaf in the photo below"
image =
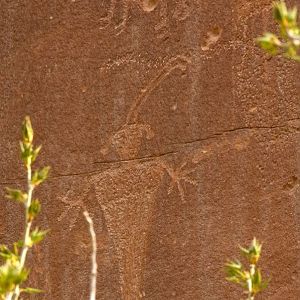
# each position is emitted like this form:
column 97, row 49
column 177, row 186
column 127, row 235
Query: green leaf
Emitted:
column 26, row 153
column 235, row 272
column 269, row 42
column 292, row 16
column 37, row 236
column 258, row 285
column 17, row 195
column 30, row 290
column 11, row 275
column 7, row 254
column 279, row 11
column 35, row 153
column 40, row 176
column 34, row 209
column 253, row 252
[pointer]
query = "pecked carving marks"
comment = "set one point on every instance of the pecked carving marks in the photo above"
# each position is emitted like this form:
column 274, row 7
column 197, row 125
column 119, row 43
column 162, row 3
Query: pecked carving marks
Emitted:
column 126, row 197
column 179, row 176
column 74, row 206
column 182, row 11
column 178, row 62
column 128, row 139
column 149, row 5
column 212, row 38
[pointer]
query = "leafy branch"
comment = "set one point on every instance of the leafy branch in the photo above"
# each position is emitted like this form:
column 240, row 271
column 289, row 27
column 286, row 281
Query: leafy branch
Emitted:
column 13, row 272
column 287, row 43
column 249, row 279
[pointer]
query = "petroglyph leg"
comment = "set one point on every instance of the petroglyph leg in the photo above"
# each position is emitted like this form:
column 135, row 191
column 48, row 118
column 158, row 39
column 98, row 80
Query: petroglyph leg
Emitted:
column 73, row 208
column 121, row 26
column 182, row 10
column 162, row 26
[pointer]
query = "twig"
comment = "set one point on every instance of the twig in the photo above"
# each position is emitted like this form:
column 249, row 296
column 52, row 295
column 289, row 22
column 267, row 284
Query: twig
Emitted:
column 93, row 257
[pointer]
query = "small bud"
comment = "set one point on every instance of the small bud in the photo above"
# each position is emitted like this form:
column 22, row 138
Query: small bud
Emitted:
column 35, row 153
column 34, row 209
column 253, row 252
column 36, row 236
column 40, row 176
column 27, row 131
column 16, row 195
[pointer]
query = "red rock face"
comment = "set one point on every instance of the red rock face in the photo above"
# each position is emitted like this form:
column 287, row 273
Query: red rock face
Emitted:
column 165, row 121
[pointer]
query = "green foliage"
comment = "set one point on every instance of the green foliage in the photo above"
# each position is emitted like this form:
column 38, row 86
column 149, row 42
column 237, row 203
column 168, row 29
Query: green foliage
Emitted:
column 40, row 176
column 11, row 275
column 249, row 279
column 16, row 195
column 287, row 43
column 36, row 236
column 253, row 252
column 28, row 152
column 30, row 290
column 13, row 272
column 34, row 209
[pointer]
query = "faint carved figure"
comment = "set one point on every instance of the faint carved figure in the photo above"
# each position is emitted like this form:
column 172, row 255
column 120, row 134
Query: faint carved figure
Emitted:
column 128, row 139
column 126, row 196
column 212, row 38
column 179, row 176
column 182, row 11
column 149, row 5
column 74, row 207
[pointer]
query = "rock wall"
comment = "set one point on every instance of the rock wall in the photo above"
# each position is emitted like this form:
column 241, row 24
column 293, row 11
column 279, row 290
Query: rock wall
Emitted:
column 165, row 121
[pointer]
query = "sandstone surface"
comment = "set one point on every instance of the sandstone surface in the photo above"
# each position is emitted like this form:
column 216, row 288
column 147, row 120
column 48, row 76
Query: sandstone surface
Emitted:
column 170, row 126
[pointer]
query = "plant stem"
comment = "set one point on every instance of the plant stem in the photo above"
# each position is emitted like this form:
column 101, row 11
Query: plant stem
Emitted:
column 93, row 257
column 28, row 224
column 249, row 281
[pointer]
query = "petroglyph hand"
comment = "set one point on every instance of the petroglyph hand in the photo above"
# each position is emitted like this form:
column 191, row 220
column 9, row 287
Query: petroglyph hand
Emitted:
column 179, row 176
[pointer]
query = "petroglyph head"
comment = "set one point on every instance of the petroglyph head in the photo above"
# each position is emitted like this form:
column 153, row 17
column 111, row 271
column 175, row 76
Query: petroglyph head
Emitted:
column 212, row 38
column 149, row 5
column 128, row 140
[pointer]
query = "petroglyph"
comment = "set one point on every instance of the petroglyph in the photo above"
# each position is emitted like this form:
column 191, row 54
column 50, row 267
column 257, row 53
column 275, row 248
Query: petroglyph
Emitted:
column 181, row 12
column 126, row 197
column 73, row 208
column 179, row 176
column 128, row 139
column 178, row 62
column 212, row 38
column 149, row 5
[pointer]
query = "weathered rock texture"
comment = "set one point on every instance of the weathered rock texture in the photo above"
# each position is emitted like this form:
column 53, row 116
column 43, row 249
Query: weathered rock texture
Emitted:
column 170, row 126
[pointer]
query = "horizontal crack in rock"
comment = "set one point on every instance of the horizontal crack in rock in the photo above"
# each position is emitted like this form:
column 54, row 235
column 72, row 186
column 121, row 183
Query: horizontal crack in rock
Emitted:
column 153, row 157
